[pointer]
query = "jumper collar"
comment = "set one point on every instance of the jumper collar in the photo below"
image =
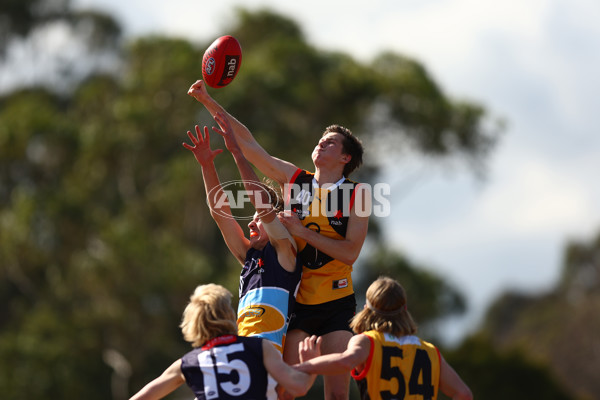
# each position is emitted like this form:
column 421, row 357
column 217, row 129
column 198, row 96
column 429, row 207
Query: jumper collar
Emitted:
column 330, row 188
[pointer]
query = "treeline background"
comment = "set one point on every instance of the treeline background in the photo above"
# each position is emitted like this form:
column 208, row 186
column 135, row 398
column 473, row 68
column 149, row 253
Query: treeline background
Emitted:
column 104, row 230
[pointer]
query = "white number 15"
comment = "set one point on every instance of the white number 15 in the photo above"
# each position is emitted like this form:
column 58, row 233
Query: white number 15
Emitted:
column 224, row 365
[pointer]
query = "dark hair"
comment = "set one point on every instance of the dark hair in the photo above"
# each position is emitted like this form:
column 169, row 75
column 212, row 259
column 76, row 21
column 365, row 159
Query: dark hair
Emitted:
column 351, row 145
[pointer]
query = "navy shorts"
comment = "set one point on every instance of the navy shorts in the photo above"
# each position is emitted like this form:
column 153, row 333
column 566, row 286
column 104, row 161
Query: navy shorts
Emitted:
column 319, row 319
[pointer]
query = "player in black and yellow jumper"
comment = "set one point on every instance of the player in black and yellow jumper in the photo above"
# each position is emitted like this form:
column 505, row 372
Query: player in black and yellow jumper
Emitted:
column 386, row 358
column 325, row 302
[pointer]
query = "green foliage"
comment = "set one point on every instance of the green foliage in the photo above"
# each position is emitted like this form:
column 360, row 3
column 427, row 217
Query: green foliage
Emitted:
column 560, row 327
column 495, row 375
column 19, row 17
column 94, row 256
column 104, row 231
column 429, row 296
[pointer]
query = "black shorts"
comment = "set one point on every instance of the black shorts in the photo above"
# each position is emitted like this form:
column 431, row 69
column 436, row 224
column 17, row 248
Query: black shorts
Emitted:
column 319, row 319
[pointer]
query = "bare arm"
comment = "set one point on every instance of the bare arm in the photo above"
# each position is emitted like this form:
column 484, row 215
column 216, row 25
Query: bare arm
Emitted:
column 260, row 198
column 273, row 167
column 166, row 383
column 295, row 382
column 345, row 250
column 216, row 197
column 355, row 355
column 451, row 384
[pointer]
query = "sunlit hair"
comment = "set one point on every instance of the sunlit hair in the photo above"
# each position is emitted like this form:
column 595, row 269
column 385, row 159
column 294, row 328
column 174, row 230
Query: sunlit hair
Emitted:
column 274, row 194
column 351, row 145
column 208, row 315
column 385, row 310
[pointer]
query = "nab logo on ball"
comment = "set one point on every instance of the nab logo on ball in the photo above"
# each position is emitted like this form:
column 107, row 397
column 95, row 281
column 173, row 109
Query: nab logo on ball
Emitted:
column 221, row 62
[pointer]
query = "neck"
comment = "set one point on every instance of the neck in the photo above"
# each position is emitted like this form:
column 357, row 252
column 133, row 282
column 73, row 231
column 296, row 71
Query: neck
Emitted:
column 325, row 177
column 260, row 245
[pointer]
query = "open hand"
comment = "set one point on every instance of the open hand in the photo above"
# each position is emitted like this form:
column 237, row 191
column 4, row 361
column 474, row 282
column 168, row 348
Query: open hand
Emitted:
column 309, row 348
column 227, row 132
column 201, row 146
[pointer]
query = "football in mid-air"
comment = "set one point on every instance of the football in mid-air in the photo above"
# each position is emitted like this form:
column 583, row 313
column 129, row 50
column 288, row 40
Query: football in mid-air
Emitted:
column 221, row 61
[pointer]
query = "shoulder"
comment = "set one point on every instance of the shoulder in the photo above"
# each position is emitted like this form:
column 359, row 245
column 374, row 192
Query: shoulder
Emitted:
column 427, row 344
column 301, row 176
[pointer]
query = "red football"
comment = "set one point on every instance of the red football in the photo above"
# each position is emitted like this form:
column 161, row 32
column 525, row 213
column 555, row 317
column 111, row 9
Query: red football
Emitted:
column 221, row 61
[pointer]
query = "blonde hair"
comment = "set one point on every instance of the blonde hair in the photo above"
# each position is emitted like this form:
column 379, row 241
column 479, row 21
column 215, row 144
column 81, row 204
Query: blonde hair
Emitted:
column 208, row 314
column 385, row 310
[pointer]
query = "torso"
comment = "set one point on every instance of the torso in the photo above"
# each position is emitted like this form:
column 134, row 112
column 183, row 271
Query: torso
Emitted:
column 267, row 296
column 228, row 368
column 327, row 212
column 403, row 367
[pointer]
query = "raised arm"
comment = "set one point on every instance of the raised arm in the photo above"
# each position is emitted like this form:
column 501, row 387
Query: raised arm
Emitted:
column 260, row 198
column 279, row 170
column 216, row 197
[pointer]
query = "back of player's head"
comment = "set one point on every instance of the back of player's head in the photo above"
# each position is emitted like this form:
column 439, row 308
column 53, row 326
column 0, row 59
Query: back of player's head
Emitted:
column 351, row 146
column 208, row 315
column 274, row 194
column 385, row 310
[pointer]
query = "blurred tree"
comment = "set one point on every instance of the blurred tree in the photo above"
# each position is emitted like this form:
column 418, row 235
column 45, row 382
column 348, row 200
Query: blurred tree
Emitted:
column 104, row 231
column 560, row 327
column 48, row 43
column 392, row 100
column 498, row 375
column 430, row 297
column 18, row 18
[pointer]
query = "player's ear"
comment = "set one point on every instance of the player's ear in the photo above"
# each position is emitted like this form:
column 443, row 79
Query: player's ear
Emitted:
column 346, row 158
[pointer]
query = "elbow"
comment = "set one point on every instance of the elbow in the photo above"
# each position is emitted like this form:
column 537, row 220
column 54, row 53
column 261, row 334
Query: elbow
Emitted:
column 344, row 364
column 464, row 394
column 298, row 390
column 351, row 251
column 349, row 258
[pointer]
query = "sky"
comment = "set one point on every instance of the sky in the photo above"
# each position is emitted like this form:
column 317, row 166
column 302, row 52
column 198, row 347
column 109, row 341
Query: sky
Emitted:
column 534, row 64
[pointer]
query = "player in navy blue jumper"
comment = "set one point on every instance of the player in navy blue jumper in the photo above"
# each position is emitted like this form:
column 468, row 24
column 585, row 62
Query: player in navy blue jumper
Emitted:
column 223, row 365
column 270, row 273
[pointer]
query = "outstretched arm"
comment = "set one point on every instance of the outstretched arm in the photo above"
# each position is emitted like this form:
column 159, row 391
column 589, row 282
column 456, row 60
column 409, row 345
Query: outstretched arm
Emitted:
column 216, row 197
column 293, row 381
column 285, row 246
column 355, row 355
column 258, row 196
column 279, row 170
column 451, row 384
column 166, row 383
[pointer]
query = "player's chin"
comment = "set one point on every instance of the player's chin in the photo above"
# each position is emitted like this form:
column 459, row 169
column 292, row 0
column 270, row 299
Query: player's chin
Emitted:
column 258, row 241
column 319, row 159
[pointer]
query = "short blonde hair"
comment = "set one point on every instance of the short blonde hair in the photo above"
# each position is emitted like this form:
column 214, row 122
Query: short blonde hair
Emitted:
column 385, row 310
column 208, row 314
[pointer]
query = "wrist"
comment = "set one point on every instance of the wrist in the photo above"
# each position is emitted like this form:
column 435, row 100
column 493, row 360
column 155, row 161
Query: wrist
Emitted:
column 205, row 164
column 236, row 152
column 300, row 231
